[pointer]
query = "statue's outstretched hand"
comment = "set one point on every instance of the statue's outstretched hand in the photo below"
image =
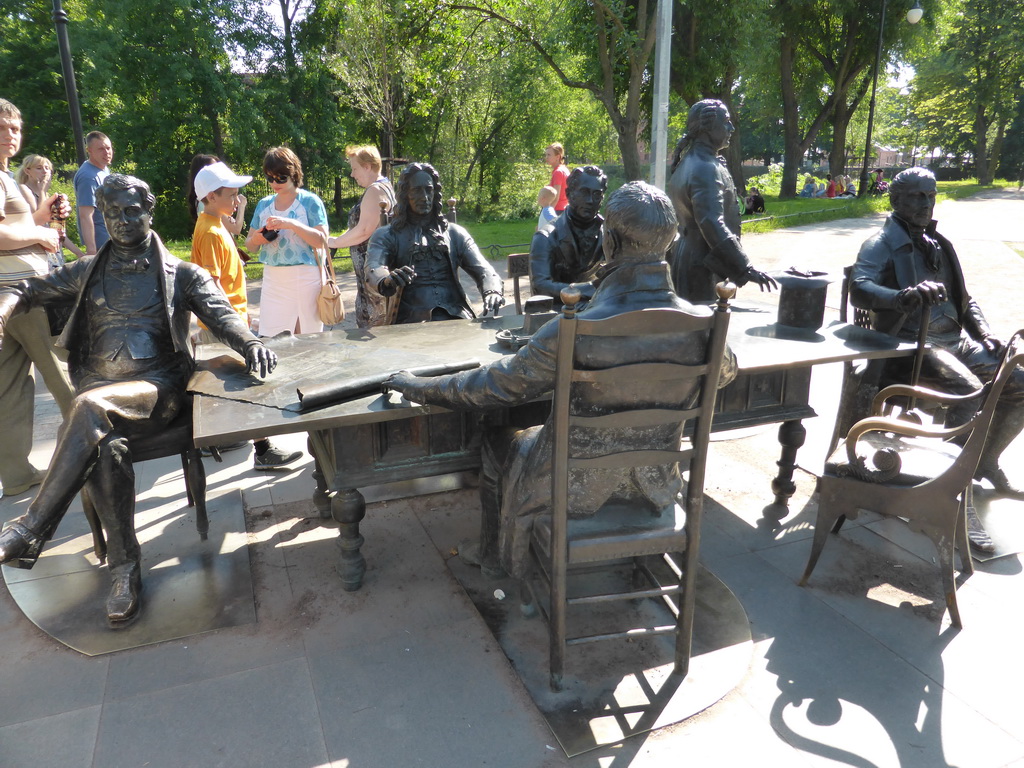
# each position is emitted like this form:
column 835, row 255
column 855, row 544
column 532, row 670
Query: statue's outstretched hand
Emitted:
column 260, row 359
column 763, row 279
column 402, row 382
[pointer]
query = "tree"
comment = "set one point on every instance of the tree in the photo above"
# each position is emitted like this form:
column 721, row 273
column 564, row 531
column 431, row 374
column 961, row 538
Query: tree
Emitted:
column 968, row 92
column 614, row 71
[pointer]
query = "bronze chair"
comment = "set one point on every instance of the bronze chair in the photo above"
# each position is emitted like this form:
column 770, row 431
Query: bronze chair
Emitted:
column 174, row 439
column 562, row 549
column 918, row 472
column 518, row 268
column 863, row 379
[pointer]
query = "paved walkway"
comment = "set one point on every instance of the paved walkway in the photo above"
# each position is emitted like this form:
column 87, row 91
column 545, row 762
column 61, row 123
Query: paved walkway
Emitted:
column 856, row 670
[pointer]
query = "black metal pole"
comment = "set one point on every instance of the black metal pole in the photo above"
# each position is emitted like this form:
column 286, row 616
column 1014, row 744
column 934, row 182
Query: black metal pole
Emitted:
column 60, row 21
column 871, row 107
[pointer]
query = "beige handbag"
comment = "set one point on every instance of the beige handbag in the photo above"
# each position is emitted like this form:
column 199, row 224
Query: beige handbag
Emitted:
column 329, row 305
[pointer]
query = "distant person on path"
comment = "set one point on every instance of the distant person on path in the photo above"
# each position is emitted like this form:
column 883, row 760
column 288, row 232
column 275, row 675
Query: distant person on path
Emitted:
column 570, row 252
column 234, row 221
column 704, row 196
column 554, row 156
column 91, row 227
column 365, row 163
column 546, row 200
column 25, row 243
column 213, row 248
column 289, row 228
column 907, row 268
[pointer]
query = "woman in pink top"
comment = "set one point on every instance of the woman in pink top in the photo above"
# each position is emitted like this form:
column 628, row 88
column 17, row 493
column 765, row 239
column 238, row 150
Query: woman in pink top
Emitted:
column 553, row 156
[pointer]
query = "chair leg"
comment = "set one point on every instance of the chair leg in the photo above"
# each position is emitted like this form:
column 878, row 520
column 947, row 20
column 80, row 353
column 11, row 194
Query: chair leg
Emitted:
column 963, row 543
column 195, row 484
column 944, row 546
column 557, row 631
column 829, row 514
column 687, row 607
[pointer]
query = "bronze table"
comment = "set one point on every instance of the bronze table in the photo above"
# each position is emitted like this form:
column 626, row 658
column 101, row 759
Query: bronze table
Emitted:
column 378, row 439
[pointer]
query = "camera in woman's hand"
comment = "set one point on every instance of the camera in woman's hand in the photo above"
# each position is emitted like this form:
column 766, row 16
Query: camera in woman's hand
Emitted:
column 270, row 235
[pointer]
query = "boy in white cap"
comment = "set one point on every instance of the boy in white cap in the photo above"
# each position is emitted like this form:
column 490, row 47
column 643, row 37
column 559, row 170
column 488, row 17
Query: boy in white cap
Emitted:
column 213, row 248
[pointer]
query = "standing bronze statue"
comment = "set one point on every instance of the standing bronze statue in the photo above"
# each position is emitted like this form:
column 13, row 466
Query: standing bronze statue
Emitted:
column 515, row 477
column 704, row 196
column 906, row 268
column 570, row 252
column 420, row 252
column 130, row 360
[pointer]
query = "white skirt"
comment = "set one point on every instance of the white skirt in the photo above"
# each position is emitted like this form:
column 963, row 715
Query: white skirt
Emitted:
column 288, row 300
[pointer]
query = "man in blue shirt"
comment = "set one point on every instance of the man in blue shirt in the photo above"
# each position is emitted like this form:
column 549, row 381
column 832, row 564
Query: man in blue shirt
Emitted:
column 88, row 179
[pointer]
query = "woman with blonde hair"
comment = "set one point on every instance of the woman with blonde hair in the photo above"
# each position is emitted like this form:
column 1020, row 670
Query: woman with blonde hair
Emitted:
column 365, row 163
column 289, row 228
column 34, row 177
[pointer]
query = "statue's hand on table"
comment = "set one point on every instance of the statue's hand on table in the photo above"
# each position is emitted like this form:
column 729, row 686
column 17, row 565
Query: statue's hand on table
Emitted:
column 404, row 383
column 493, row 301
column 260, row 359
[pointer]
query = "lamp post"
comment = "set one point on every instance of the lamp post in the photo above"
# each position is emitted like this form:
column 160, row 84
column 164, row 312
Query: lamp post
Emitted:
column 60, row 21
column 913, row 16
column 659, row 115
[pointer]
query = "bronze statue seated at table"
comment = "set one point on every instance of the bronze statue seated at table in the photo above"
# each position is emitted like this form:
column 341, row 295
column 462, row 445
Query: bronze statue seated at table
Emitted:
column 130, row 359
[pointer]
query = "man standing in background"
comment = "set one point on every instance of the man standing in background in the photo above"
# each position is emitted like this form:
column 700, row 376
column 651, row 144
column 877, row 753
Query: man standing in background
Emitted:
column 88, row 179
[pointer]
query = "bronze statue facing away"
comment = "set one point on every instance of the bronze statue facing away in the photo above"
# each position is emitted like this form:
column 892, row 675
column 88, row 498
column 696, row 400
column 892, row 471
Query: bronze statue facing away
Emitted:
column 130, row 360
column 704, row 196
column 418, row 255
column 515, row 476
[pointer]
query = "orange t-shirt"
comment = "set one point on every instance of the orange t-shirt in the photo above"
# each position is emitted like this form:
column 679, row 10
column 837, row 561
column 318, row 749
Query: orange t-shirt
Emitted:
column 214, row 249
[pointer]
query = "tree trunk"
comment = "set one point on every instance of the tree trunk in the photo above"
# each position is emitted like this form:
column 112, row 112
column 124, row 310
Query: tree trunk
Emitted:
column 628, row 135
column 981, row 166
column 792, row 151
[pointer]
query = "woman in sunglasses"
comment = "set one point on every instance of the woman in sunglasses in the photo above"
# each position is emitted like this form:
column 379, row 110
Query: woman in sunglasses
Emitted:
column 289, row 228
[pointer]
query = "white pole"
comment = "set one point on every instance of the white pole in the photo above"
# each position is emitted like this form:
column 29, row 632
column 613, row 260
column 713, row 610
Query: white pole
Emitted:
column 662, row 62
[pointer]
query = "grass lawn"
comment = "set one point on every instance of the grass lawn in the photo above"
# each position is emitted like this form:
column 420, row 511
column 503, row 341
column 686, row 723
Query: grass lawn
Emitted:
column 802, row 210
column 499, row 238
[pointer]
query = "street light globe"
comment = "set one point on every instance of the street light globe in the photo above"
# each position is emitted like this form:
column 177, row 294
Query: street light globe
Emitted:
column 914, row 14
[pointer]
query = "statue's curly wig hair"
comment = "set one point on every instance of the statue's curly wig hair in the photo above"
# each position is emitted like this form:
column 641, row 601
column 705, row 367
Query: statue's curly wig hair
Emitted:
column 699, row 120
column 401, row 219
column 117, row 181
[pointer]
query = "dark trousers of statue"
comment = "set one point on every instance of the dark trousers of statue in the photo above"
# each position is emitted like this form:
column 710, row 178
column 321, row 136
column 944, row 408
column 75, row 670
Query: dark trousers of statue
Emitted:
column 961, row 370
column 494, row 453
column 93, row 452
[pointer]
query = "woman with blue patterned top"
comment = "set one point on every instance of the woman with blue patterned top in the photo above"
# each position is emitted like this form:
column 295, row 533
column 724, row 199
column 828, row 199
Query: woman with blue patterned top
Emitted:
column 289, row 228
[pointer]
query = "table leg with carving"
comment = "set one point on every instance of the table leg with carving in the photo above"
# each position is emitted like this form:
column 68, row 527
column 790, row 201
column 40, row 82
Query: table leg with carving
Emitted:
column 348, row 508
column 792, row 435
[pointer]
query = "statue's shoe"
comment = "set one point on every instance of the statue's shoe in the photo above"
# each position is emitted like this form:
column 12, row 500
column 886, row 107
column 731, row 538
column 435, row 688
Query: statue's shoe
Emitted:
column 977, row 535
column 124, row 601
column 999, row 481
column 20, row 547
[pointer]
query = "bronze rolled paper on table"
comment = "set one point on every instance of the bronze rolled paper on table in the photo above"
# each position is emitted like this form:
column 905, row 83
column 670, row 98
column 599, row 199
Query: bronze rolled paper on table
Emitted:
column 317, row 396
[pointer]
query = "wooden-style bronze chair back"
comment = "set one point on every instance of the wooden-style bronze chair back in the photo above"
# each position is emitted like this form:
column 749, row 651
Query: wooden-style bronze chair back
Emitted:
column 518, row 268
column 918, row 472
column 619, row 530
